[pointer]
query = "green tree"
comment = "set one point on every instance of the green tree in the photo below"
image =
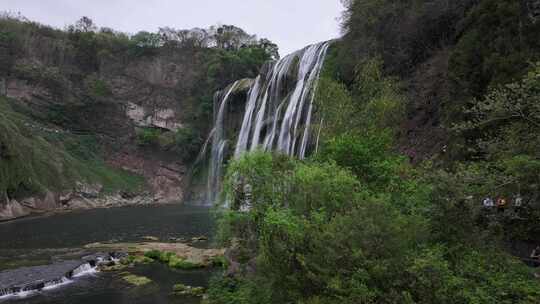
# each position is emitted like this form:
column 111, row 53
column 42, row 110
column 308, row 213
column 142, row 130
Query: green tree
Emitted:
column 144, row 43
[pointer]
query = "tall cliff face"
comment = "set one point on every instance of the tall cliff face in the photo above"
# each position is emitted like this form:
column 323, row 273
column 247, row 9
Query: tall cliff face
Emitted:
column 146, row 106
column 112, row 103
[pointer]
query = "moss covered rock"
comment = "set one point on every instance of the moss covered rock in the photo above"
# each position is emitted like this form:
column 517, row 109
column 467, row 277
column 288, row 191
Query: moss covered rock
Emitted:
column 135, row 279
column 185, row 290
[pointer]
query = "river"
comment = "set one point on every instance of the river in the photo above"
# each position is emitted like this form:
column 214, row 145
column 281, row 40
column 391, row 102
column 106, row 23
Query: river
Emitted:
column 52, row 239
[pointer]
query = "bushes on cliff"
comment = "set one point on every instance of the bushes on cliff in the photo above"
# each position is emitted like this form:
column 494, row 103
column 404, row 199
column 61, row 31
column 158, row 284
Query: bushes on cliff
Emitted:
column 86, row 50
column 498, row 42
column 186, row 143
column 148, row 136
column 403, row 33
column 507, row 119
column 490, row 42
column 144, row 44
column 96, row 87
column 7, row 52
column 372, row 103
column 34, row 159
column 317, row 234
column 225, row 65
column 29, row 164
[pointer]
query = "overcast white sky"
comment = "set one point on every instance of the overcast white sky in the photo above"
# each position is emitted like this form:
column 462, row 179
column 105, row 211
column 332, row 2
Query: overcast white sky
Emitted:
column 292, row 24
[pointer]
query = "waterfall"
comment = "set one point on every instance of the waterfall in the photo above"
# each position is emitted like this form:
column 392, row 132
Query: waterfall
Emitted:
column 246, row 122
column 286, row 112
column 219, row 144
column 277, row 115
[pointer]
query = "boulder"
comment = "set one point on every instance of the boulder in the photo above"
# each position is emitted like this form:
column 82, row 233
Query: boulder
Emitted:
column 185, row 290
column 12, row 209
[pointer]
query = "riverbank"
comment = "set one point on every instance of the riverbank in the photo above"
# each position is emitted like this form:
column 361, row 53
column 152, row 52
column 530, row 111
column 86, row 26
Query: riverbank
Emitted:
column 83, row 197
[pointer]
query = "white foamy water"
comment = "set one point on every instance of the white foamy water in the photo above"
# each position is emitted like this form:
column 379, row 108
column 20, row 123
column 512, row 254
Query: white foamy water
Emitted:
column 53, row 285
column 84, row 269
column 277, row 115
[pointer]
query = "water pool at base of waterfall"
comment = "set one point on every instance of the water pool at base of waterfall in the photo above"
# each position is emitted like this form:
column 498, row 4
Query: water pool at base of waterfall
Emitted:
column 52, row 239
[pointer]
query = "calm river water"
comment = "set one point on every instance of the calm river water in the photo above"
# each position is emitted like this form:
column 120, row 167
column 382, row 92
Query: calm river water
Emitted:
column 46, row 240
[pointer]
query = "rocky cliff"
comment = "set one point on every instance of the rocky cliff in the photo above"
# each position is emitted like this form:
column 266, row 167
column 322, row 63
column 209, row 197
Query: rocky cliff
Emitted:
column 140, row 108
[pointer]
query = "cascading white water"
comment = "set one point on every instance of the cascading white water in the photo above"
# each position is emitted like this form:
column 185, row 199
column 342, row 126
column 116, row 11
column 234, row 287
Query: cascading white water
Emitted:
column 26, row 281
column 57, row 283
column 243, row 137
column 218, row 146
column 83, row 269
column 298, row 105
column 277, row 114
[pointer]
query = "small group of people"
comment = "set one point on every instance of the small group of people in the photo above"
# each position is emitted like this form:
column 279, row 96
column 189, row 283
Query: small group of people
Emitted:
column 502, row 203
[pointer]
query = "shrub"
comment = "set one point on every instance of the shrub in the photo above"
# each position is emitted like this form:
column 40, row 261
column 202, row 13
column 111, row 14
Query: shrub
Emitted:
column 180, row 263
column 319, row 236
column 186, row 142
column 97, row 87
column 153, row 254
column 148, row 136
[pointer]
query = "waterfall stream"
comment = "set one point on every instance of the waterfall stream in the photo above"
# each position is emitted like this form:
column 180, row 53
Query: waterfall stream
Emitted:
column 277, row 114
column 219, row 144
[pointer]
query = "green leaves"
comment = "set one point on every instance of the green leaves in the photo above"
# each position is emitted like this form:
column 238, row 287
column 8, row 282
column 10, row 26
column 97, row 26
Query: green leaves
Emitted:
column 144, row 44
column 497, row 41
column 321, row 234
column 357, row 223
column 225, row 66
column 506, row 125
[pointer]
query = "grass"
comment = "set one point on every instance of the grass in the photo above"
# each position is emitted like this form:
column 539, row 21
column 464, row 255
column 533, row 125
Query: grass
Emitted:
column 34, row 159
column 171, row 259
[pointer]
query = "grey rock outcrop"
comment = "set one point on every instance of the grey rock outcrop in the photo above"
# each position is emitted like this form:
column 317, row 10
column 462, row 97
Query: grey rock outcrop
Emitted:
column 83, row 196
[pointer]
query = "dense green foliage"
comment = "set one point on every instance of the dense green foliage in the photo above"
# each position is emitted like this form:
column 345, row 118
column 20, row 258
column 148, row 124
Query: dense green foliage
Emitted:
column 357, row 223
column 320, row 234
column 498, row 43
column 506, row 128
column 373, row 103
column 403, row 33
column 483, row 96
